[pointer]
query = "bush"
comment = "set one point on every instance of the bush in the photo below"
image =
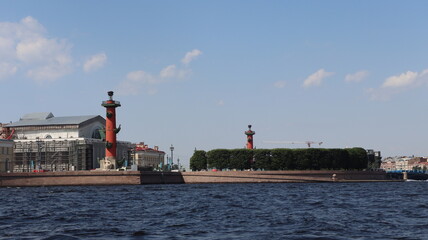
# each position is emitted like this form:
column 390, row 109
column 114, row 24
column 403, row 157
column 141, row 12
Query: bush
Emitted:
column 240, row 159
column 357, row 158
column 218, row 158
column 198, row 161
column 281, row 159
column 263, row 159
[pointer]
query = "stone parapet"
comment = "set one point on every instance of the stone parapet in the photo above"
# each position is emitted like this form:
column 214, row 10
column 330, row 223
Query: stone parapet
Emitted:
column 69, row 178
column 281, row 176
column 140, row 177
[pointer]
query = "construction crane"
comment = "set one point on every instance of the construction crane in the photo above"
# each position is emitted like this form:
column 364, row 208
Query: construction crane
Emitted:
column 309, row 143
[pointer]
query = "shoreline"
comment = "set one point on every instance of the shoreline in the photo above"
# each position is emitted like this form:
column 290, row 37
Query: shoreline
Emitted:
column 94, row 178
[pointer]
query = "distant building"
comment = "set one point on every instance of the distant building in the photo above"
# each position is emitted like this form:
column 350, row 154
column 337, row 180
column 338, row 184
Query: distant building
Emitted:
column 43, row 141
column 418, row 163
column 374, row 159
column 145, row 157
column 404, row 163
column 388, row 164
column 6, row 155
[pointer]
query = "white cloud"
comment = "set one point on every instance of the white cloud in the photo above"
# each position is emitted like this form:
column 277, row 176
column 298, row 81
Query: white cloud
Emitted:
column 190, row 56
column 184, row 73
column 377, row 94
column 7, row 69
column 396, row 84
column 48, row 72
column 404, row 79
column 279, row 84
column 95, row 62
column 27, row 28
column 357, row 77
column 316, row 78
column 136, row 80
column 168, row 72
column 220, row 103
column 7, row 48
column 172, row 71
column 26, row 45
column 141, row 77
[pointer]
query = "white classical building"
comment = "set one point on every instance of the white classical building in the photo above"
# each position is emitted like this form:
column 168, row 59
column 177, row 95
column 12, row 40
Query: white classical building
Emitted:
column 45, row 142
column 145, row 157
column 46, row 125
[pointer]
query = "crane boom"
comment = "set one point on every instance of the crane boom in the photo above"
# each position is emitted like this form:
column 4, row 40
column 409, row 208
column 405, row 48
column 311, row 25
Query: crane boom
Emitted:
column 309, row 143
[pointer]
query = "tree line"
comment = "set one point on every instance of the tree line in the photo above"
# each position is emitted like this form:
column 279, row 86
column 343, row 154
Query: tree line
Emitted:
column 280, row 159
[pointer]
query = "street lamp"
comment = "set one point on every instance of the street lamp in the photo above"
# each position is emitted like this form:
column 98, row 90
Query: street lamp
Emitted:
column 178, row 163
column 39, row 155
column 172, row 156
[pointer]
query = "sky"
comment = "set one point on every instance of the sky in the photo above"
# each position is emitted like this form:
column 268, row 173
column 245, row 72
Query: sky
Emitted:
column 194, row 74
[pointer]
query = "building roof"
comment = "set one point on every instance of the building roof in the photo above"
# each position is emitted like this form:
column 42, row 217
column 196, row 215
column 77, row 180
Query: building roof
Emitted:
column 139, row 149
column 37, row 116
column 47, row 119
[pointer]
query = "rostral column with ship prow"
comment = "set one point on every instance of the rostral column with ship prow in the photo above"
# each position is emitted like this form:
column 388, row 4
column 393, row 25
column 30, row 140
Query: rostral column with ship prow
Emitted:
column 250, row 135
column 109, row 162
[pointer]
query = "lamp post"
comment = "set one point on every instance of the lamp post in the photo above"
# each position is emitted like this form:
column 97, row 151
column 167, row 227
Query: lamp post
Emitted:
column 172, row 156
column 178, row 163
column 39, row 155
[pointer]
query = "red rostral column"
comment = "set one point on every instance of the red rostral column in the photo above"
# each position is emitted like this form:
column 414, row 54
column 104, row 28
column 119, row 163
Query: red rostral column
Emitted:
column 111, row 129
column 249, row 134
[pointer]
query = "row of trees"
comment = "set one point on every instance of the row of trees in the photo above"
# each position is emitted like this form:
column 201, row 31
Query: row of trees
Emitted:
column 280, row 159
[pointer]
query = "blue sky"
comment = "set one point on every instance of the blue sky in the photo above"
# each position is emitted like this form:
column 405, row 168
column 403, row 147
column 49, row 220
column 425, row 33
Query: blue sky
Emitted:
column 195, row 73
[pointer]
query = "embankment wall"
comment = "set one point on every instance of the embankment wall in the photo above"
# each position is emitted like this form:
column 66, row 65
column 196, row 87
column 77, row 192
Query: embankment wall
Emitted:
column 137, row 177
column 282, row 176
column 69, row 178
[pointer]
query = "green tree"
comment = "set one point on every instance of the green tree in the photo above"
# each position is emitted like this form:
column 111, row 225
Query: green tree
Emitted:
column 357, row 158
column 198, row 161
column 263, row 159
column 286, row 159
column 279, row 159
column 339, row 159
column 303, row 159
column 290, row 159
column 240, row 159
column 218, row 158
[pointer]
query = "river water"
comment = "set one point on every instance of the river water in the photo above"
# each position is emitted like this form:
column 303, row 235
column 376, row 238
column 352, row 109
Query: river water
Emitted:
column 383, row 210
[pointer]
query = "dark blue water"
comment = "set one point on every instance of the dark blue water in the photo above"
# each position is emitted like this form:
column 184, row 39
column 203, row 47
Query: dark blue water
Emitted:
column 391, row 210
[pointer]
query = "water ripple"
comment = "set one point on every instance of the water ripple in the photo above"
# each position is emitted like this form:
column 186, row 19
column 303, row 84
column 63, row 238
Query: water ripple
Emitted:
column 217, row 211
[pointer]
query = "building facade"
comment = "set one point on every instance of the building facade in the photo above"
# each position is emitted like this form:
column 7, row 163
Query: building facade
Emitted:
column 44, row 142
column 6, row 155
column 404, row 164
column 145, row 157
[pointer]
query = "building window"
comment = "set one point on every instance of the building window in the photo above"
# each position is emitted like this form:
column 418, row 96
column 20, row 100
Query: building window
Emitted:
column 96, row 133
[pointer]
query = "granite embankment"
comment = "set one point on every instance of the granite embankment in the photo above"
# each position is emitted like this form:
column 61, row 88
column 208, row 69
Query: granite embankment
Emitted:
column 137, row 177
column 282, row 176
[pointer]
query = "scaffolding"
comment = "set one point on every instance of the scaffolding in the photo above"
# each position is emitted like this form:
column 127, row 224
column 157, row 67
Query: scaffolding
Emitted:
column 56, row 155
column 62, row 154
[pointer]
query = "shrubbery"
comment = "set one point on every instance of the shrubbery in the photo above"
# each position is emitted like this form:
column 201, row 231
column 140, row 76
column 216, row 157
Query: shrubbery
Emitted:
column 280, row 159
column 198, row 161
